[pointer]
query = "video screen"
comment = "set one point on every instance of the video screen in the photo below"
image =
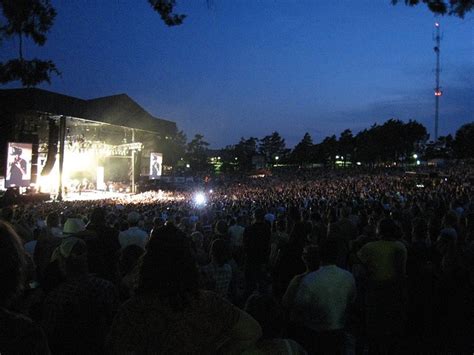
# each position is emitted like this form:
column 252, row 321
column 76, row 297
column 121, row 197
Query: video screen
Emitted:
column 156, row 165
column 18, row 165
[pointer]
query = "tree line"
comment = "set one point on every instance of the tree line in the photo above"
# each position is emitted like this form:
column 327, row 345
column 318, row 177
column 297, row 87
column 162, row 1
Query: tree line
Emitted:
column 391, row 142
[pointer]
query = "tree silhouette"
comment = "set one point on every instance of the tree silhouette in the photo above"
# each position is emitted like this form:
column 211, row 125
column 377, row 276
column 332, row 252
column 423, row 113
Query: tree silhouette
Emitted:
column 33, row 19
column 27, row 19
column 302, row 153
column 272, row 146
column 464, row 141
column 196, row 153
column 244, row 151
column 451, row 7
column 165, row 9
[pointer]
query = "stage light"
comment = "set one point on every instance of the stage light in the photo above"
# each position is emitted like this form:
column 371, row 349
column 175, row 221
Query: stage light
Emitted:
column 199, row 199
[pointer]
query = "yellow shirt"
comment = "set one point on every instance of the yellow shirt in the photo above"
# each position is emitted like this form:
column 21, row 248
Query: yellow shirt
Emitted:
column 385, row 259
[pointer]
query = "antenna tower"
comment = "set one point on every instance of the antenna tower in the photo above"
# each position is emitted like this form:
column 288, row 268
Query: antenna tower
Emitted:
column 437, row 90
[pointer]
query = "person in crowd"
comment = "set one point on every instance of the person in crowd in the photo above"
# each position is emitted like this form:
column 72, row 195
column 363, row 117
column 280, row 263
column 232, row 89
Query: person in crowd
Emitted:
column 169, row 313
column 197, row 246
column 323, row 302
column 385, row 261
column 72, row 226
column 265, row 309
column 53, row 224
column 236, row 233
column 133, row 235
column 77, row 313
column 129, row 260
column 421, row 281
column 256, row 246
column 18, row 334
column 217, row 275
column 290, row 262
column 102, row 246
column 311, row 259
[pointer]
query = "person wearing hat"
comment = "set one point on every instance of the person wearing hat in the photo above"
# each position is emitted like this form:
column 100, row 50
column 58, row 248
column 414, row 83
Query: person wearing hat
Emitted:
column 134, row 234
column 17, row 167
column 73, row 226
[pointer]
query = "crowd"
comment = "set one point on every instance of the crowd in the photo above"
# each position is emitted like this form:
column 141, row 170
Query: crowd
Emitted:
column 296, row 263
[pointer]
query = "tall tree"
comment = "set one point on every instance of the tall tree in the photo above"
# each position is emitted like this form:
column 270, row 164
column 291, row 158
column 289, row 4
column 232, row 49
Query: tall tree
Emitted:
column 346, row 145
column 272, row 146
column 174, row 148
column 27, row 19
column 464, row 141
column 197, row 153
column 302, row 153
column 327, row 150
column 245, row 150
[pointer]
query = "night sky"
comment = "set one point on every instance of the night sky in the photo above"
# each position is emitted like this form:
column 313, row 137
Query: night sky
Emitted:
column 247, row 67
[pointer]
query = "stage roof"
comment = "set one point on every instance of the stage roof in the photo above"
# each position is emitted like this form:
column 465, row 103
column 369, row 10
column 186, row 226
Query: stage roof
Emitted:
column 116, row 109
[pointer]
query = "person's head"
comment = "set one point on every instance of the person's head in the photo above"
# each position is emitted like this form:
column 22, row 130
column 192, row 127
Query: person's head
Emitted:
column 346, row 212
column 12, row 264
column 98, row 216
column 6, row 214
column 219, row 252
column 129, row 257
column 266, row 311
column 446, row 241
column 329, row 251
column 311, row 257
column 133, row 218
column 419, row 229
column 221, row 228
column 71, row 256
column 168, row 269
column 259, row 215
column 73, row 226
column 389, row 230
column 52, row 220
column 298, row 235
column 158, row 222
column 450, row 219
column 334, row 231
column 281, row 225
column 294, row 214
column 16, row 152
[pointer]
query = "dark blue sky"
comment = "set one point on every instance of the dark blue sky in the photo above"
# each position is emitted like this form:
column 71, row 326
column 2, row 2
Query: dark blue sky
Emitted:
column 247, row 67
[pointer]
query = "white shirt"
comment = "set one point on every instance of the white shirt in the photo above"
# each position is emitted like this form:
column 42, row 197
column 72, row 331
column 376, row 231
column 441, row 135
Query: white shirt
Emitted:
column 133, row 235
column 323, row 298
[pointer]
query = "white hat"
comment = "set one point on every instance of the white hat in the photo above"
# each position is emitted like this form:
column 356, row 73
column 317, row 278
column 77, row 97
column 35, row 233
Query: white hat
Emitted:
column 74, row 225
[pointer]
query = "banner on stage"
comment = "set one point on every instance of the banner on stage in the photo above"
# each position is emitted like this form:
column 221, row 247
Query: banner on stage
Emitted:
column 156, row 165
column 18, row 165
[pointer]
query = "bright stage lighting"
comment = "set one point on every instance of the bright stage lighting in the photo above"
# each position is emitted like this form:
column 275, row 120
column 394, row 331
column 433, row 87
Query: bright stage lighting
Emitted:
column 199, row 199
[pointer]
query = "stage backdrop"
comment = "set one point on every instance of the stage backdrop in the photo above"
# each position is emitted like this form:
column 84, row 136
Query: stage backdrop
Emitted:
column 18, row 165
column 156, row 164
